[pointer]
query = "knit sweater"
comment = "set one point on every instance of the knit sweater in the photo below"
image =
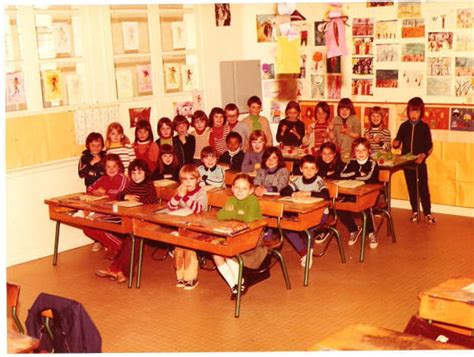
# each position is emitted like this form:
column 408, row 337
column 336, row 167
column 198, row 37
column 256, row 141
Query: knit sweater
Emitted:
column 272, row 180
column 168, row 172
column 148, row 152
column 415, row 139
column 189, row 147
column 126, row 153
column 217, row 138
column 250, row 160
column 289, row 138
column 234, row 160
column 315, row 185
column 112, row 185
column 90, row 173
column 145, row 190
column 213, row 176
column 195, row 200
column 344, row 141
column 353, row 170
column 202, row 140
column 245, row 128
column 246, row 210
column 177, row 146
column 383, row 145
column 330, row 171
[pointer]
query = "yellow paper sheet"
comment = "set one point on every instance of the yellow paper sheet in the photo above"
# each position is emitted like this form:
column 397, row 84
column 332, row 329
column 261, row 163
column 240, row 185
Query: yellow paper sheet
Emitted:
column 287, row 55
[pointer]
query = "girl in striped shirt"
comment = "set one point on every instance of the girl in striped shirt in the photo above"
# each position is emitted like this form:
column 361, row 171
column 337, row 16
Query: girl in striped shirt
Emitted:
column 117, row 143
column 377, row 133
column 219, row 130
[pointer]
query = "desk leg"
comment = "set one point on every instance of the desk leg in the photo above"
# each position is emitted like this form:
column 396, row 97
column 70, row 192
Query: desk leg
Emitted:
column 417, row 195
column 388, row 196
column 140, row 263
column 239, row 286
column 339, row 244
column 362, row 242
column 132, row 257
column 56, row 243
column 308, row 256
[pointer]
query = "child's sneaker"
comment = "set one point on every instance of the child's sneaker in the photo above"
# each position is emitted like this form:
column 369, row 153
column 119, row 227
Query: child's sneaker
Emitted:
column 321, row 237
column 373, row 241
column 96, row 246
column 180, row 283
column 429, row 219
column 354, row 236
column 243, row 290
column 303, row 260
column 191, row 284
column 414, row 217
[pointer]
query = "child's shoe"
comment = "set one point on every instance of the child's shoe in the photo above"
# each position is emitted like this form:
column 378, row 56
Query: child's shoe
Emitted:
column 180, row 283
column 430, row 219
column 321, row 237
column 354, row 236
column 191, row 284
column 121, row 278
column 243, row 290
column 303, row 260
column 414, row 217
column 96, row 246
column 373, row 241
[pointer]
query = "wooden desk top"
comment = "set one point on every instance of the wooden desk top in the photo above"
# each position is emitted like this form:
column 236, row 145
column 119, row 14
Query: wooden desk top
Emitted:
column 363, row 190
column 18, row 343
column 362, row 337
column 454, row 289
column 396, row 163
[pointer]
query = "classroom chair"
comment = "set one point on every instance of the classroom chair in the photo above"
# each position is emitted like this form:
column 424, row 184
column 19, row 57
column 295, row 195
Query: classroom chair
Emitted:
column 381, row 208
column 13, row 297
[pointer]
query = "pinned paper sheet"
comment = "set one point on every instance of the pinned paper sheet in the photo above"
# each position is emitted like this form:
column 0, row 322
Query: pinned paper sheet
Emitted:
column 53, row 85
column 124, row 83
column 287, row 56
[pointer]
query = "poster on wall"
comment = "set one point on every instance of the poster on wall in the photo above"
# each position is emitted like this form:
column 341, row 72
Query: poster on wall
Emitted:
column 317, row 86
column 362, row 27
column 362, row 65
column 319, row 30
column 438, row 87
column 222, row 14
column 268, row 70
column 387, row 52
column 362, row 45
column 266, row 32
column 15, row 88
column 411, row 78
column 317, row 62
column 333, row 65
column 379, row 3
column 464, row 42
column 362, row 86
column 277, row 110
column 53, row 85
column 74, row 89
column 413, row 52
column 124, row 83
column 188, row 77
column 440, row 41
column 178, row 35
column 62, row 37
column 437, row 118
column 334, row 86
column 409, row 10
column 145, row 83
column 386, row 78
column 413, row 28
column 198, row 100
column 172, row 76
column 137, row 114
column 130, row 36
column 464, row 18
column 461, row 119
column 302, row 73
column 287, row 56
column 439, row 66
column 464, row 87
column 386, row 30
column 185, row 108
column 464, row 66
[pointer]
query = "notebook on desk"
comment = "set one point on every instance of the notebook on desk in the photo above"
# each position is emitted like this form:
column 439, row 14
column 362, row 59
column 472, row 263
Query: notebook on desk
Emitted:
column 164, row 183
column 349, row 183
column 91, row 198
column 182, row 212
column 127, row 204
column 303, row 200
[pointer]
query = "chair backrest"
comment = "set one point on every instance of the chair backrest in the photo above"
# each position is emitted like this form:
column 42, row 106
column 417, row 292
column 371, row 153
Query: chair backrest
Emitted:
column 274, row 210
column 13, row 297
column 216, row 200
column 333, row 190
column 384, row 176
column 289, row 165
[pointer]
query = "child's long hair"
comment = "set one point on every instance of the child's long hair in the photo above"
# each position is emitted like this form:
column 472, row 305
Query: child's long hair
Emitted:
column 199, row 114
column 144, row 124
column 337, row 155
column 168, row 149
column 346, row 103
column 180, row 119
column 214, row 111
column 119, row 128
column 292, row 105
column 164, row 121
column 360, row 141
column 116, row 159
column 417, row 104
column 94, row 137
column 139, row 164
column 376, row 110
column 325, row 108
column 268, row 152
column 254, row 136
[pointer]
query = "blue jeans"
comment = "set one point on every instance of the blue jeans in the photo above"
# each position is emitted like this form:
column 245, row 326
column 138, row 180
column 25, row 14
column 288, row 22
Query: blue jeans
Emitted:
column 298, row 239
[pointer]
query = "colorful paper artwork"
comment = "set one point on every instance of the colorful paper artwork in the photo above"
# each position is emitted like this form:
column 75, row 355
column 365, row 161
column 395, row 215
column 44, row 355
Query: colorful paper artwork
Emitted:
column 438, row 87
column 413, row 52
column 333, row 65
column 287, row 56
column 379, row 3
column 317, row 65
column 74, row 89
column 362, row 27
column 198, row 99
column 464, row 42
column 464, row 18
column 302, row 89
column 53, row 85
column 188, row 76
column 438, row 22
column 362, row 65
column 464, row 66
column 277, row 110
column 145, row 80
column 317, row 86
column 387, row 52
column 172, row 76
column 185, row 108
column 268, row 71
column 178, row 35
column 15, row 88
column 319, row 30
column 362, row 86
column 464, row 87
column 386, row 30
column 437, row 118
column 62, row 37
column 439, row 66
column 130, row 36
column 386, row 78
column 413, row 28
column 302, row 73
column 266, row 31
column 385, row 116
column 411, row 78
column 440, row 41
column 137, row 114
column 462, row 119
column 222, row 14
column 362, row 45
column 334, row 86
column 124, row 83
column 409, row 10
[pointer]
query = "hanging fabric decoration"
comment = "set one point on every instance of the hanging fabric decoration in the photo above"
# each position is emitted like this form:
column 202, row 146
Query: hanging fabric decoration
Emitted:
column 335, row 34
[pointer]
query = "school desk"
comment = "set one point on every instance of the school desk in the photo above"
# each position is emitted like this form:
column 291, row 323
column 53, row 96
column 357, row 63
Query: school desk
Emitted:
column 302, row 218
column 365, row 197
column 361, row 337
column 18, row 343
column 202, row 232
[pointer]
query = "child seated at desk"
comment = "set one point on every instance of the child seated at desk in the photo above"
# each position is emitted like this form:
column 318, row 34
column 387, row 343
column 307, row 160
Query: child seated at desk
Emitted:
column 168, row 165
column 360, row 168
column 234, row 156
column 192, row 196
column 211, row 174
column 273, row 176
column 253, row 157
column 329, row 162
column 139, row 189
column 307, row 185
column 243, row 206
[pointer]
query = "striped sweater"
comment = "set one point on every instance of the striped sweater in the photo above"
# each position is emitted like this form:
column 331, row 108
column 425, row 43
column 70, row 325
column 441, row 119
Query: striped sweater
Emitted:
column 112, row 185
column 217, row 138
column 126, row 153
column 273, row 181
column 383, row 145
column 144, row 190
column 202, row 140
column 195, row 200
column 315, row 185
column 213, row 176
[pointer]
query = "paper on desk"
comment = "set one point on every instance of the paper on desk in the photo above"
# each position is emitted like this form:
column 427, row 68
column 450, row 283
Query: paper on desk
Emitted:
column 182, row 212
column 469, row 288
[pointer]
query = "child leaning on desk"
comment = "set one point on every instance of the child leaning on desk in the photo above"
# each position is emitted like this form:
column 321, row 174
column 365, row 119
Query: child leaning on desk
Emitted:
column 243, row 206
column 360, row 168
column 307, row 185
column 192, row 196
column 211, row 174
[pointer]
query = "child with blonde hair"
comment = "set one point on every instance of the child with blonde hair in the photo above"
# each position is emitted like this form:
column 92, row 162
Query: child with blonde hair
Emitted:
column 117, row 142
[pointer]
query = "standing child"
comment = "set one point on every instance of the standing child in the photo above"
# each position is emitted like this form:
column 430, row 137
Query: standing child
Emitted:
column 165, row 132
column 231, row 115
column 291, row 129
column 414, row 136
column 377, row 134
column 139, row 189
column 318, row 132
column 186, row 140
column 188, row 195
column 361, row 168
column 273, row 175
column 243, row 206
column 253, row 157
column 345, row 127
column 168, row 165
column 234, row 156
column 145, row 147
column 211, row 174
column 307, row 185
column 118, row 143
column 219, row 130
column 201, row 131
column 329, row 162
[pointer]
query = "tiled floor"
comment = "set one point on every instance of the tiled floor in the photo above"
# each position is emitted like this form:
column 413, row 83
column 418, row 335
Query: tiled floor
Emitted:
column 159, row 317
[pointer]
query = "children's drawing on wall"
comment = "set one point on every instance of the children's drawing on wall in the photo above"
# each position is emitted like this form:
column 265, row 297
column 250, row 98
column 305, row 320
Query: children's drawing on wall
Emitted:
column 440, row 41
column 62, row 37
column 15, row 88
column 319, row 30
column 302, row 73
column 464, row 42
column 188, row 75
column 387, row 52
column 413, row 28
column 362, row 45
column 438, row 87
column 363, row 27
column 439, row 66
column 386, row 78
column 307, row 113
column 464, row 87
column 53, row 85
column 145, row 83
column 409, row 10
column 333, row 64
column 464, row 66
column 317, row 86
column 362, row 65
column 74, row 89
column 334, row 86
column 462, row 119
column 266, row 32
column 198, row 99
column 437, row 118
column 124, row 83
column 362, row 86
column 137, row 114
column 223, row 14
column 411, row 78
column 379, row 3
column 185, row 108
column 413, row 52
column 386, row 30
column 130, row 36
column 318, row 62
column 438, row 21
column 172, row 76
column 302, row 89
column 268, row 70
column 178, row 35
column 464, row 18
column 277, row 110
